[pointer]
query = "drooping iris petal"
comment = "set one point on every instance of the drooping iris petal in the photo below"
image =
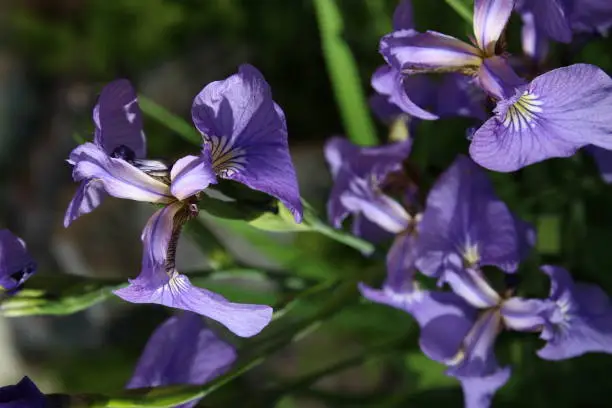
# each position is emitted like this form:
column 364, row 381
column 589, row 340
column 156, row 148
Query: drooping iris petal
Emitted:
column 16, row 264
column 118, row 177
column 118, row 119
column 191, row 174
column 408, row 93
column 463, row 217
column 603, row 159
column 370, row 231
column 555, row 115
column 358, row 176
column 550, row 17
column 409, row 51
column 403, row 15
column 478, row 391
column 581, row 320
column 523, row 314
column 87, row 198
column 490, row 18
column 247, row 134
column 24, row 394
column 244, row 320
column 182, row 350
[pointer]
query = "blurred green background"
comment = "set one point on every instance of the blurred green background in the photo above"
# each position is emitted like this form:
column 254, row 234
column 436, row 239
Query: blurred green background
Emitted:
column 55, row 55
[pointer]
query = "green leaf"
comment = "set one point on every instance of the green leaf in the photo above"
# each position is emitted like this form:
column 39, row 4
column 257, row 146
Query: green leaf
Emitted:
column 462, row 9
column 549, row 238
column 170, row 120
column 344, row 75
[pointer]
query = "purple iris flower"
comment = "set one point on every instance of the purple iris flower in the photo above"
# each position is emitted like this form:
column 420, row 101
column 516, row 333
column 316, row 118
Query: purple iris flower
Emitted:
column 410, row 52
column 182, row 350
column 579, row 319
column 359, row 175
column 118, row 133
column 459, row 328
column 588, row 16
column 247, row 134
column 552, row 116
column 21, row 395
column 466, row 225
column 398, row 94
column 245, row 140
column 16, row 264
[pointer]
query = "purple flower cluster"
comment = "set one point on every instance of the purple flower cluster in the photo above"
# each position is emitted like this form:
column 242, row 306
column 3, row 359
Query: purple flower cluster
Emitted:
column 462, row 227
column 244, row 137
column 553, row 115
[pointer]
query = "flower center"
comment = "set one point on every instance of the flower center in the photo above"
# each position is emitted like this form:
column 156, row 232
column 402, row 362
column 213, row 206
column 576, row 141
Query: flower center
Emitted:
column 227, row 159
column 522, row 113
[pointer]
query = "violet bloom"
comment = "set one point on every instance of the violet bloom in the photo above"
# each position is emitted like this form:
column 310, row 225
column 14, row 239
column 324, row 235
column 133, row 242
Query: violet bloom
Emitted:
column 398, row 94
column 552, row 116
column 466, row 225
column 118, row 133
column 359, row 175
column 21, row 395
column 16, row 264
column 247, row 135
column 182, row 350
column 459, row 328
column 579, row 319
column 410, row 52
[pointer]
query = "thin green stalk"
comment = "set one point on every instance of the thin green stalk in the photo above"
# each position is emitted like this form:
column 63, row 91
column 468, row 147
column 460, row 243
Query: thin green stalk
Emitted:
column 462, row 9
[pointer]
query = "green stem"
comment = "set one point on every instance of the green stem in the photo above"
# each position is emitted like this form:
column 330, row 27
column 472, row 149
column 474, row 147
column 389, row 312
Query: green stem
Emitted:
column 462, row 9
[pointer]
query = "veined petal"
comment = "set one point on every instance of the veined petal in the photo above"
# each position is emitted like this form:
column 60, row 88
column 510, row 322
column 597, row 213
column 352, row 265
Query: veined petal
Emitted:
column 409, row 51
column 191, row 174
column 524, row 314
column 24, row 394
column 555, row 115
column 490, row 19
column 402, row 16
column 182, row 350
column 478, row 392
column 176, row 291
column 87, row 198
column 464, row 217
column 16, row 264
column 581, row 320
column 118, row 119
column 157, row 233
column 247, row 134
column 118, row 177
